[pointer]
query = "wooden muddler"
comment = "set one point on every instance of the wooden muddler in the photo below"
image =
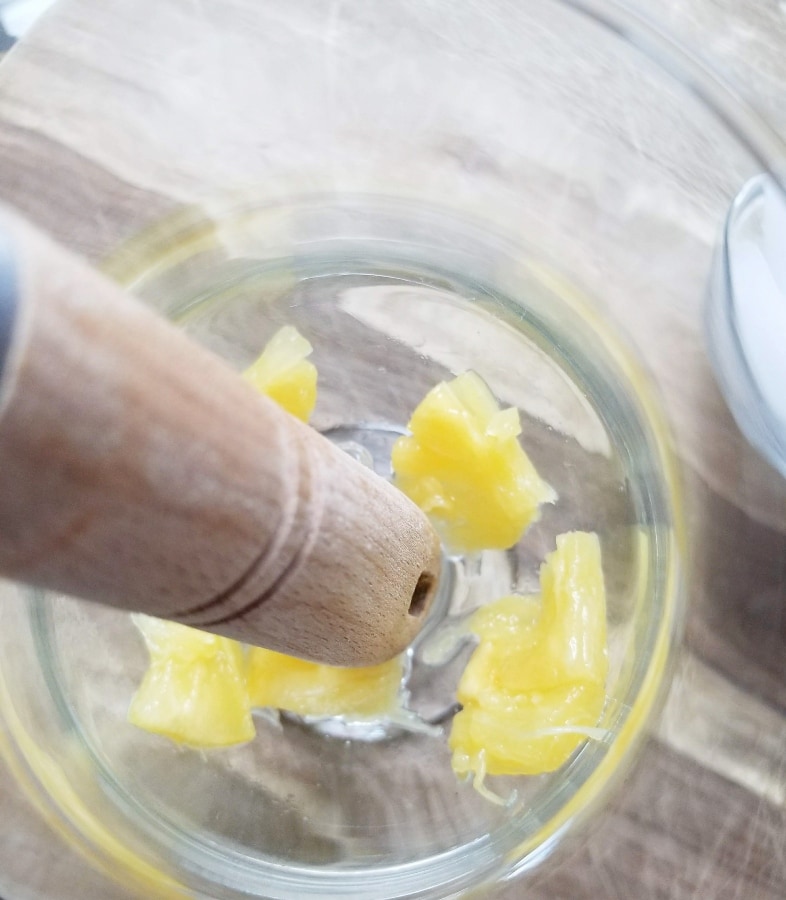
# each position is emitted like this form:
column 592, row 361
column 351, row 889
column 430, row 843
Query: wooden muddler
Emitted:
column 138, row 470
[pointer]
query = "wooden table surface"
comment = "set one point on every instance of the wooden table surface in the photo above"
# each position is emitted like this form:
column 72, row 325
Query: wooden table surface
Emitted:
column 93, row 147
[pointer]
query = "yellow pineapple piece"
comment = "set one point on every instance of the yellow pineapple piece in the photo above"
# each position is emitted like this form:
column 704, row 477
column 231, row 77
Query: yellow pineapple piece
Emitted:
column 465, row 468
column 535, row 686
column 283, row 373
column 194, row 691
column 527, row 734
column 311, row 689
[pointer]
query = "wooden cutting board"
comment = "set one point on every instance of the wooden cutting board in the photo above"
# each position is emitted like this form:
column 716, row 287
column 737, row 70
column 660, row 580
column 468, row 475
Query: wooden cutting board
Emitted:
column 113, row 114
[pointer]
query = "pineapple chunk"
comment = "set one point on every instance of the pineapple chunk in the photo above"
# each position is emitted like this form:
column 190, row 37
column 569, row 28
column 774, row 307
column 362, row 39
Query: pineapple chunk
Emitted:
column 535, row 686
column 464, row 467
column 311, row 689
column 283, row 373
column 527, row 734
column 194, row 691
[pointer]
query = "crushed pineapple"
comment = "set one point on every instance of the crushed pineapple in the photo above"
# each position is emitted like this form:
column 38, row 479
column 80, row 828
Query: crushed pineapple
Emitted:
column 534, row 687
column 194, row 691
column 536, row 684
column 283, row 373
column 311, row 689
column 465, row 468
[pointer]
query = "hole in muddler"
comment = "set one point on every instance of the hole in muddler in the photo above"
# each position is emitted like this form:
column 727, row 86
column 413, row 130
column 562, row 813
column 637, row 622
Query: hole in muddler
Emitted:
column 422, row 594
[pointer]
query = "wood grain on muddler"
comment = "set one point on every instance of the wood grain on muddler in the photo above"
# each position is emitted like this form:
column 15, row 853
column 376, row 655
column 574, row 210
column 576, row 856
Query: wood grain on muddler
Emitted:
column 138, row 470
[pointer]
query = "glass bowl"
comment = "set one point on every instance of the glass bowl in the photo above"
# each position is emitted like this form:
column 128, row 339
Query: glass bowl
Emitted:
column 529, row 190
column 394, row 296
